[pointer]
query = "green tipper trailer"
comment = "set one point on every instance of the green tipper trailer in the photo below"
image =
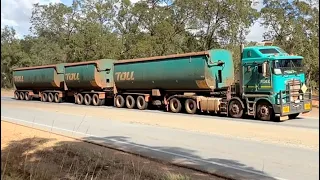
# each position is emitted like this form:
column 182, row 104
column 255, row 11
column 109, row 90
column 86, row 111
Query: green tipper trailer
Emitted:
column 175, row 79
column 46, row 82
column 90, row 81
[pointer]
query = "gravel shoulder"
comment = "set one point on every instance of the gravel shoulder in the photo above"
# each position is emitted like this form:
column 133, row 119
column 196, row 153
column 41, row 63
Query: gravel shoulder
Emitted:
column 31, row 153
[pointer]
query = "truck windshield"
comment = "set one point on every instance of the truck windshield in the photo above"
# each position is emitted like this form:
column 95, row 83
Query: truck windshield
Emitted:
column 287, row 66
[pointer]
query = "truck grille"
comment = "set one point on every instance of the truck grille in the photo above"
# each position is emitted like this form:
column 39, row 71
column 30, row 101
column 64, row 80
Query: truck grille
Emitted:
column 294, row 87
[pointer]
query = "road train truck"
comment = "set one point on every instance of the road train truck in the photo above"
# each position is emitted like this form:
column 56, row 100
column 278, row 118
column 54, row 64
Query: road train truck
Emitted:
column 270, row 83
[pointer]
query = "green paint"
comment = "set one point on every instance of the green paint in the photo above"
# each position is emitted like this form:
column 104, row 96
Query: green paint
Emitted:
column 39, row 78
column 91, row 76
column 192, row 73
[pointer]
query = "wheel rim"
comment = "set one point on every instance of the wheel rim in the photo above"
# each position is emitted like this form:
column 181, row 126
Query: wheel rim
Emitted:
column 95, row 100
column 17, row 95
column 26, row 96
column 56, row 97
column 21, row 95
column 235, row 108
column 264, row 111
column 50, row 97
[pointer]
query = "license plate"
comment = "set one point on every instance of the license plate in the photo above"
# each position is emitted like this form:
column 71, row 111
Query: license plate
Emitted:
column 286, row 109
column 307, row 106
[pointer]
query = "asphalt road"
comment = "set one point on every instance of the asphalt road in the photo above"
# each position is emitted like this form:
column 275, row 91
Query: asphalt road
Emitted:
column 303, row 122
column 233, row 157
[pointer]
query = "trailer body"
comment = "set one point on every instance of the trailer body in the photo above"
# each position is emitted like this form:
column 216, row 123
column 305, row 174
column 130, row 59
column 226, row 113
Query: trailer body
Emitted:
column 91, row 75
column 39, row 77
column 187, row 72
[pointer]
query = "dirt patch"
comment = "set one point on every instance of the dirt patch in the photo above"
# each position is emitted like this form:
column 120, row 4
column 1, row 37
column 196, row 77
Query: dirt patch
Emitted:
column 290, row 136
column 28, row 153
column 7, row 92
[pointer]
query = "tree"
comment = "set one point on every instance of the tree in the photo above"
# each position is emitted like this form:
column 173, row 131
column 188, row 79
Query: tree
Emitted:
column 294, row 25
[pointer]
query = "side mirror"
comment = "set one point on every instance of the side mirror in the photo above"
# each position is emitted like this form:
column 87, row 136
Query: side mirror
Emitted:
column 265, row 69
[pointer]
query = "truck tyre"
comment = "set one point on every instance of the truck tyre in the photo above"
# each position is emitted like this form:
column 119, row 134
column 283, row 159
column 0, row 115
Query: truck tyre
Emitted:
column 190, row 106
column 175, row 105
column 95, row 100
column 50, row 97
column 22, row 95
column 293, row 116
column 235, row 108
column 57, row 99
column 79, row 98
column 17, row 95
column 141, row 103
column 87, row 99
column 119, row 101
column 27, row 96
column 44, row 97
column 264, row 111
column 130, row 102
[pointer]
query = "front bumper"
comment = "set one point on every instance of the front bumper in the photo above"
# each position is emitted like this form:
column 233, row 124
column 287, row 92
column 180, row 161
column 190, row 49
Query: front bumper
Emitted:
column 286, row 109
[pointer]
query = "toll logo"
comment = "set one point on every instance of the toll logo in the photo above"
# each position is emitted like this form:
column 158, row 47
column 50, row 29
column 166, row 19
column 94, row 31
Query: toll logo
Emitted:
column 18, row 78
column 72, row 76
column 125, row 76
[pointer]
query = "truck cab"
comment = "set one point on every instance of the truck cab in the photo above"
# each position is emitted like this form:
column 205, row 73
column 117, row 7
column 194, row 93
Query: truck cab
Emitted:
column 273, row 82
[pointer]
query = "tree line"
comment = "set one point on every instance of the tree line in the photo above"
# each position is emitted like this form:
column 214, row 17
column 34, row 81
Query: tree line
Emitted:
column 119, row 29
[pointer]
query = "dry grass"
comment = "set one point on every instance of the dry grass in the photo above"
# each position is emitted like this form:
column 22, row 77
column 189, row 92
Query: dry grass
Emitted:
column 34, row 154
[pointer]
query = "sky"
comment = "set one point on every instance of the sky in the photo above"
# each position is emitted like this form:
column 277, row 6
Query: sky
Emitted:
column 17, row 13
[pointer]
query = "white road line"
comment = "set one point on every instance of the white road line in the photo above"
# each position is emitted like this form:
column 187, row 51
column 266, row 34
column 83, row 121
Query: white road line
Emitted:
column 4, row 118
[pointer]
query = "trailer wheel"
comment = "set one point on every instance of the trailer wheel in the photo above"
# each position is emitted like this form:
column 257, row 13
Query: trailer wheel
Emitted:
column 50, row 97
column 79, row 98
column 27, row 96
column 44, row 97
column 235, row 109
column 130, row 102
column 87, row 99
column 17, row 95
column 264, row 111
column 57, row 99
column 95, row 100
column 141, row 103
column 175, row 105
column 22, row 95
column 190, row 106
column 119, row 101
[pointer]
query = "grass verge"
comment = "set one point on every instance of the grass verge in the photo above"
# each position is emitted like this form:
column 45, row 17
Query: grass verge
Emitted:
column 32, row 154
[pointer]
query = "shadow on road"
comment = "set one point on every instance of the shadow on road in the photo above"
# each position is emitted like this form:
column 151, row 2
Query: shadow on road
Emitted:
column 178, row 156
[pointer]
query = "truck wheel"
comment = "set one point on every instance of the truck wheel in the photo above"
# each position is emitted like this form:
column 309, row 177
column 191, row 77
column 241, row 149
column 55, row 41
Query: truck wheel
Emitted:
column 190, row 106
column 175, row 105
column 141, row 103
column 22, row 95
column 235, row 109
column 264, row 111
column 27, row 96
column 87, row 99
column 130, row 102
column 79, row 98
column 44, row 97
column 96, row 100
column 50, row 97
column 57, row 99
column 17, row 95
column 119, row 101
column 293, row 116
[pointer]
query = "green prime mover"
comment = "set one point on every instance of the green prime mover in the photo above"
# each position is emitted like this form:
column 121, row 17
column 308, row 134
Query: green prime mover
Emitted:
column 271, row 83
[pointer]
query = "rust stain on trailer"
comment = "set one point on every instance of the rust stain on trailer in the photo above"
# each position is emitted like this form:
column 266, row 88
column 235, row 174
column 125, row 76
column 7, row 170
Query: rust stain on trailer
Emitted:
column 163, row 57
column 35, row 67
